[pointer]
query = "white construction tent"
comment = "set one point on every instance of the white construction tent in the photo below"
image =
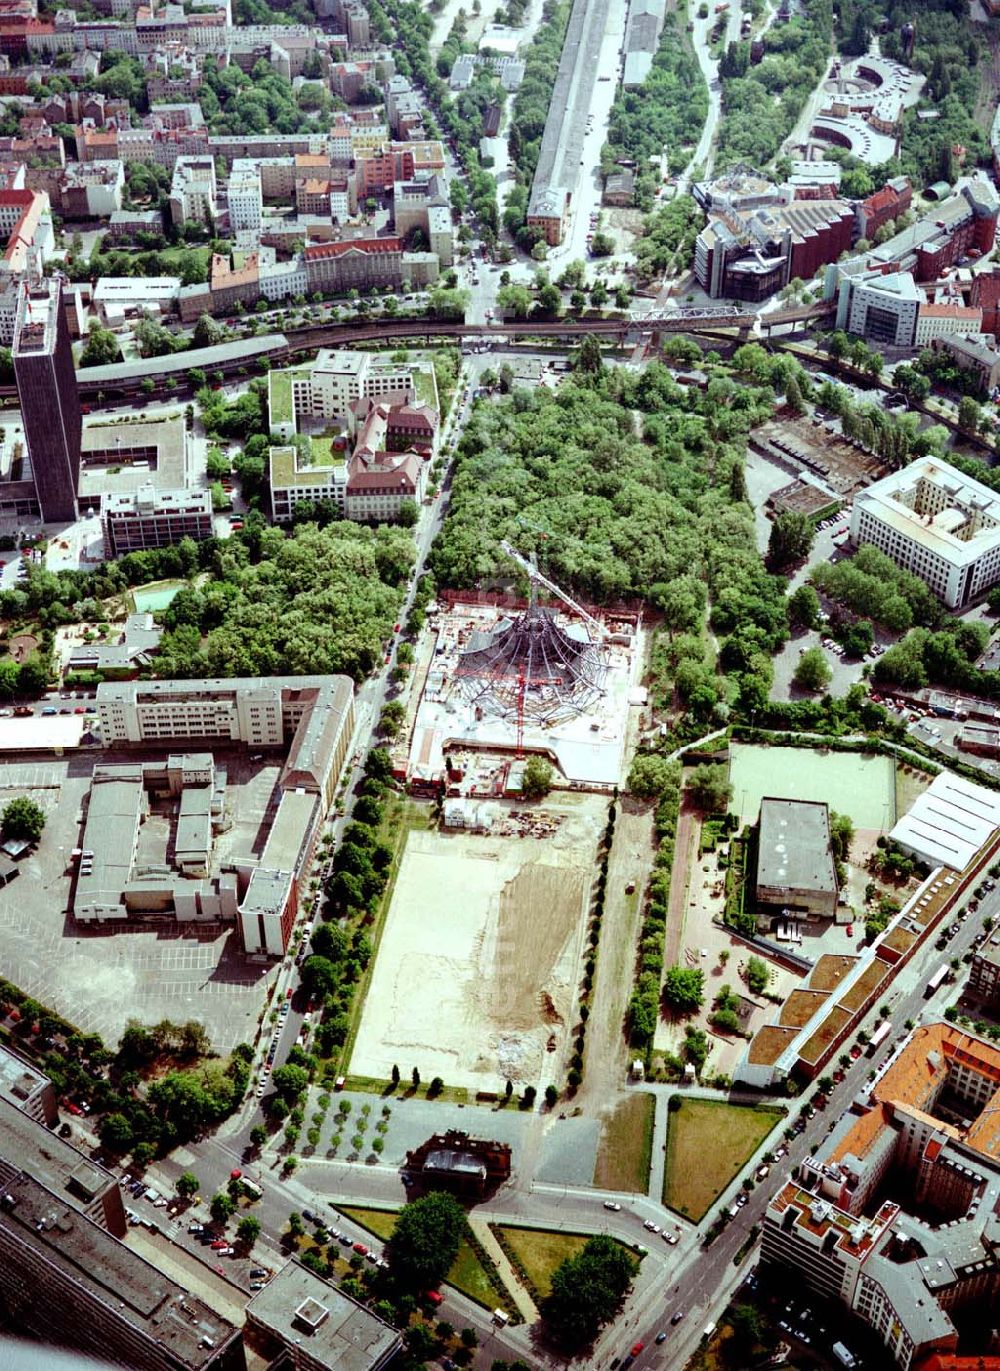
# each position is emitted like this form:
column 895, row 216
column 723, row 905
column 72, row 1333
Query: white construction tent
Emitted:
column 949, row 822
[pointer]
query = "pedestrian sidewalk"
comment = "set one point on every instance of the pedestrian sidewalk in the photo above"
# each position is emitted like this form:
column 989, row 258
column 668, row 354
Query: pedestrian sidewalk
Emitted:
column 659, row 1157
column 525, row 1304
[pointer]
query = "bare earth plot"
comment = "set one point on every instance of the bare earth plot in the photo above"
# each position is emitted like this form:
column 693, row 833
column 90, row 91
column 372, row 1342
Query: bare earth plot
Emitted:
column 630, row 863
column 478, row 968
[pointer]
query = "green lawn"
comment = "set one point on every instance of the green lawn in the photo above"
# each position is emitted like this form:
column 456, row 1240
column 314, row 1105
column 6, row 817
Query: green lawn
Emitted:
column 626, row 1149
column 280, row 397
column 468, row 1274
column 425, row 386
column 708, row 1142
column 381, row 1222
column 539, row 1251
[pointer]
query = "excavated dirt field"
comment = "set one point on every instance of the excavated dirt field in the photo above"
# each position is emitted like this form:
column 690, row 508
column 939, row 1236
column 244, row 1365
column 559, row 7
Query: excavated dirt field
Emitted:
column 478, row 969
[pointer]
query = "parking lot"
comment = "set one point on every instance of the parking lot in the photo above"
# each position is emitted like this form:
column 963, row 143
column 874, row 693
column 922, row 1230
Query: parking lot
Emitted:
column 100, row 976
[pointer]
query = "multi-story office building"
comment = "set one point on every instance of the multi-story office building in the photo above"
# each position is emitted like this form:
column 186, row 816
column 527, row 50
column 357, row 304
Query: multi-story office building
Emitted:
column 356, row 262
column 978, row 355
column 937, row 523
column 84, row 1185
column 297, row 479
column 749, row 253
column 26, row 1088
column 984, row 972
column 50, row 403
column 880, row 308
column 313, row 716
column 826, row 1245
column 333, row 384
column 946, row 320
column 314, row 1326
column 261, row 711
column 885, row 205
column 148, row 517
column 928, row 1132
column 66, row 1282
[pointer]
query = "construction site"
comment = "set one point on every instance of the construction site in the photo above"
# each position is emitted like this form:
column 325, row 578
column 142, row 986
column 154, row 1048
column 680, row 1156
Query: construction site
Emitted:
column 497, row 680
column 470, row 984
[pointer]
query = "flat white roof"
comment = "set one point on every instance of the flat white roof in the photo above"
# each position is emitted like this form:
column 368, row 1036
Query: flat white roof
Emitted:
column 136, row 288
column 882, row 501
column 949, row 822
column 54, row 731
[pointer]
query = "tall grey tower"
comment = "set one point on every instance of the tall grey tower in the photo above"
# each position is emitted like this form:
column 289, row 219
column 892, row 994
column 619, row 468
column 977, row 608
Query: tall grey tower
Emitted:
column 50, row 401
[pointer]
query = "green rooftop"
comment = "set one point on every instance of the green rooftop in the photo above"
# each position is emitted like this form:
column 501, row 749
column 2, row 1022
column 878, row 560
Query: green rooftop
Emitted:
column 281, row 408
column 290, row 467
column 425, row 385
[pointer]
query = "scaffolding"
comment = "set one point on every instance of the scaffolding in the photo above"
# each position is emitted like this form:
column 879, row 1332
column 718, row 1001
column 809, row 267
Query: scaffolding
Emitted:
column 531, row 667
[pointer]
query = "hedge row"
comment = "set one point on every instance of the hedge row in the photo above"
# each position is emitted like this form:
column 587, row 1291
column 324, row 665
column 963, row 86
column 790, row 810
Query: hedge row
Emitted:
column 644, row 1005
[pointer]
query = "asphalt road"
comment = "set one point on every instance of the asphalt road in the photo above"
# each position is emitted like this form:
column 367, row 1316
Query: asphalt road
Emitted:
column 686, row 1278
column 706, row 1272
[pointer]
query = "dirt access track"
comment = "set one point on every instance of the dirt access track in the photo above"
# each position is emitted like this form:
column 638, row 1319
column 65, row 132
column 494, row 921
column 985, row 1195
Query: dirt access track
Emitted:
column 630, row 864
column 478, row 970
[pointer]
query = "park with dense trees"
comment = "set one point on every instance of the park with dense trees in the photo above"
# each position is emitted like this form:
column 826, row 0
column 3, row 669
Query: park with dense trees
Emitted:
column 762, row 101
column 625, row 515
column 668, row 111
column 313, row 600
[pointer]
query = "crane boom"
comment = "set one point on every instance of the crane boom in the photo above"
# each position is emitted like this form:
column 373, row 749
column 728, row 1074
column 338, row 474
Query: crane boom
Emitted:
column 551, row 586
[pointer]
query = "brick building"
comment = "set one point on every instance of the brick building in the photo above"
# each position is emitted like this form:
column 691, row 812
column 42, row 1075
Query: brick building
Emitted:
column 985, row 295
column 884, row 206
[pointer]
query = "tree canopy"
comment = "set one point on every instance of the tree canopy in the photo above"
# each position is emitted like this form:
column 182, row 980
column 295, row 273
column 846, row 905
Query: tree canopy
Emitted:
column 425, row 1241
column 587, row 1290
column 316, row 600
column 22, row 818
column 709, row 788
column 684, row 989
column 872, row 585
column 667, row 111
column 813, row 670
column 537, row 780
